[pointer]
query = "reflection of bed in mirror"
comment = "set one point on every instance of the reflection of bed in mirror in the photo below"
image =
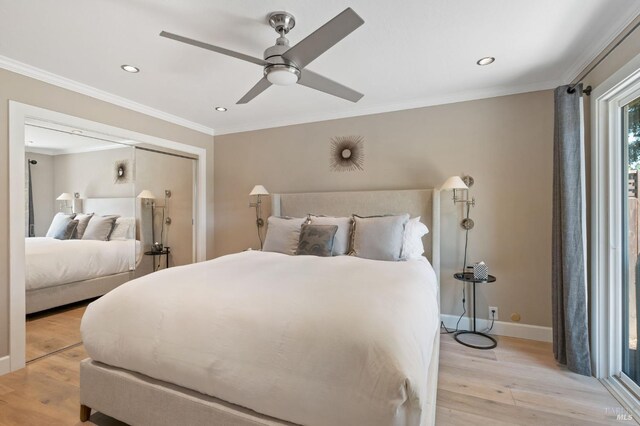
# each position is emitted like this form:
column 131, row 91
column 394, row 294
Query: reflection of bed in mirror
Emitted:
column 59, row 272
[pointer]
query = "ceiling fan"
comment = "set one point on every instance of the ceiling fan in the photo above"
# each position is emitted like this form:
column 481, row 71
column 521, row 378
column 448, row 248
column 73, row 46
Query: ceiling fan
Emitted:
column 284, row 65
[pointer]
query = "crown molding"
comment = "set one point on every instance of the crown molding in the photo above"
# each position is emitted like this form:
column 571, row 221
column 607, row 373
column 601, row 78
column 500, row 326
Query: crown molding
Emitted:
column 391, row 107
column 590, row 55
column 65, row 83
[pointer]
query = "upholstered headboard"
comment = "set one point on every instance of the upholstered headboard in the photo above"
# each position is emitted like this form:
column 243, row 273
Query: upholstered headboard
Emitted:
column 416, row 202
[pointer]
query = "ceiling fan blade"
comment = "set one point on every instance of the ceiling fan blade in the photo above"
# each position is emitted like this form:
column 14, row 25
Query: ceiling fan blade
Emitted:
column 260, row 87
column 322, row 39
column 323, row 84
column 213, row 48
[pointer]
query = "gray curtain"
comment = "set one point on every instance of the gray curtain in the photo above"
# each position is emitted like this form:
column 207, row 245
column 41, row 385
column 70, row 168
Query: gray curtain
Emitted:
column 569, row 283
column 32, row 232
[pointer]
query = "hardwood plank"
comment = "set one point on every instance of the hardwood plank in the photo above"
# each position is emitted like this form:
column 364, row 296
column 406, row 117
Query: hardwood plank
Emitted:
column 53, row 330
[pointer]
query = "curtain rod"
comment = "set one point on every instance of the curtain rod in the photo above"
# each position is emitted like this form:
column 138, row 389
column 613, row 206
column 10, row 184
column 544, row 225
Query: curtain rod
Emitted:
column 580, row 78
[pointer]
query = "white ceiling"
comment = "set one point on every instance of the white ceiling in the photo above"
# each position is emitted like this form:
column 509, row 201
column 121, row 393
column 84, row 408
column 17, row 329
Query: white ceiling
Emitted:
column 48, row 138
column 407, row 54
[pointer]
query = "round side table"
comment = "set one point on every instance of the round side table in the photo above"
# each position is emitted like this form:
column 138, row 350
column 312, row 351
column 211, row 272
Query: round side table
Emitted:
column 473, row 338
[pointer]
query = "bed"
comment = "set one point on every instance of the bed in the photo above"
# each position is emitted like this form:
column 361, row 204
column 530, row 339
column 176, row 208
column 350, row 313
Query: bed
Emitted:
column 59, row 272
column 274, row 339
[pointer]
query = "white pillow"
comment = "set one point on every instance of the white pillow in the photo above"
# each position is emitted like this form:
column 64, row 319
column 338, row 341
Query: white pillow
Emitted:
column 412, row 247
column 283, row 234
column 343, row 236
column 124, row 229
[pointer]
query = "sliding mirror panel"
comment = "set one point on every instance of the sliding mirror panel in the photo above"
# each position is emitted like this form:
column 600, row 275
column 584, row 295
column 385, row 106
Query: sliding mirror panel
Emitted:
column 81, row 238
column 165, row 184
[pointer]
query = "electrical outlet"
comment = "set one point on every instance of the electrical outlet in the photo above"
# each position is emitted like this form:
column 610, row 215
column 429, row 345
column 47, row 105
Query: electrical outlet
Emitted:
column 493, row 309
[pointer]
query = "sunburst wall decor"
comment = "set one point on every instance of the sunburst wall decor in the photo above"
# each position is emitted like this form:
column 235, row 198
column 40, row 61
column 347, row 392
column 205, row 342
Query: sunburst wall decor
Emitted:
column 122, row 171
column 347, row 153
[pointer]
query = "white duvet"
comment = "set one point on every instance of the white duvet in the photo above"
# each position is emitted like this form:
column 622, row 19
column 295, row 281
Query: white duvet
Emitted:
column 315, row 341
column 51, row 262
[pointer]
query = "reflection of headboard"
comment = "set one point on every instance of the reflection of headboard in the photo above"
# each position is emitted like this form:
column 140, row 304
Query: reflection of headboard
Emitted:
column 125, row 207
column 418, row 202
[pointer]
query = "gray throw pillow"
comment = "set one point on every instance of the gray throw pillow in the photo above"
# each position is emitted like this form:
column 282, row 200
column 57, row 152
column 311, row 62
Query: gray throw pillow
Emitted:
column 99, row 228
column 283, row 234
column 67, row 232
column 83, row 221
column 317, row 240
column 378, row 237
column 59, row 223
column 343, row 236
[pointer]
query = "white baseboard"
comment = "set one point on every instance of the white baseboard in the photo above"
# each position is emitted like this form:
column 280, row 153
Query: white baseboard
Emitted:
column 5, row 365
column 500, row 328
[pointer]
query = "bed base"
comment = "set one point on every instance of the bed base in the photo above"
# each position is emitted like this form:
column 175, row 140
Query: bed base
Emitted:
column 51, row 297
column 140, row 400
column 137, row 399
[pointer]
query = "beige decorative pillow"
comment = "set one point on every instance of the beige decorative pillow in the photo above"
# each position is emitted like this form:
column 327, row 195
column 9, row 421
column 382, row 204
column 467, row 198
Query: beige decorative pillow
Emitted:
column 99, row 228
column 378, row 237
column 283, row 234
column 83, row 221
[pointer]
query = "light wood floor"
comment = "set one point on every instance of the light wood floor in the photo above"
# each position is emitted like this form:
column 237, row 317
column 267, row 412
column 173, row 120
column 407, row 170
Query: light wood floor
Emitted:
column 516, row 383
column 53, row 330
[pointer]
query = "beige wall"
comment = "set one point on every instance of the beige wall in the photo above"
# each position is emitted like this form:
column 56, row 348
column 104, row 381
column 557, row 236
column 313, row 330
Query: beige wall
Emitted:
column 505, row 143
column 27, row 90
column 91, row 174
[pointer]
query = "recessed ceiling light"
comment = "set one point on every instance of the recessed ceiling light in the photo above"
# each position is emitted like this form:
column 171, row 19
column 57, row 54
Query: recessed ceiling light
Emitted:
column 221, row 109
column 130, row 68
column 76, row 132
column 487, row 60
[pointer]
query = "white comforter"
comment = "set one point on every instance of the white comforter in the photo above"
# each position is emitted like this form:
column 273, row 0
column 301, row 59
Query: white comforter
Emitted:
column 51, row 262
column 311, row 340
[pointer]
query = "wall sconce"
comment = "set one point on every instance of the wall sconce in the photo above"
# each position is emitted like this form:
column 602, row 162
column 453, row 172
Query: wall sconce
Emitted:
column 64, row 199
column 149, row 200
column 460, row 187
column 258, row 191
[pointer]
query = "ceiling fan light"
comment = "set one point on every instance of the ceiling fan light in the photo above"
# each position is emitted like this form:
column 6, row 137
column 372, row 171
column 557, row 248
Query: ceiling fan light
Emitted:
column 282, row 75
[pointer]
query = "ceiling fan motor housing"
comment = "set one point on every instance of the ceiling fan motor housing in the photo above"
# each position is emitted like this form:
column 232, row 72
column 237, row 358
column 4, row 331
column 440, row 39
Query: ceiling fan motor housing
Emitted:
column 280, row 71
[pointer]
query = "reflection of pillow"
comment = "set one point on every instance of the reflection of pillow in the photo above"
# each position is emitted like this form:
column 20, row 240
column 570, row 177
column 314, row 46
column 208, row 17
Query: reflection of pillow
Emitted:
column 99, row 228
column 124, row 229
column 59, row 223
column 317, row 240
column 83, row 221
column 283, row 234
column 343, row 236
column 412, row 247
column 67, row 232
column 378, row 237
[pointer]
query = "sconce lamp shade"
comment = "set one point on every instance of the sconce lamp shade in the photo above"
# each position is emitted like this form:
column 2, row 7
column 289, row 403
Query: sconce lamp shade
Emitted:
column 146, row 194
column 454, row 182
column 65, row 196
column 259, row 190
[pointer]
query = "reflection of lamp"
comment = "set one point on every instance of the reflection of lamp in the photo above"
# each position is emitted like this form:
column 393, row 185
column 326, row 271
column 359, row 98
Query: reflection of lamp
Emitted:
column 149, row 200
column 66, row 197
column 258, row 191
